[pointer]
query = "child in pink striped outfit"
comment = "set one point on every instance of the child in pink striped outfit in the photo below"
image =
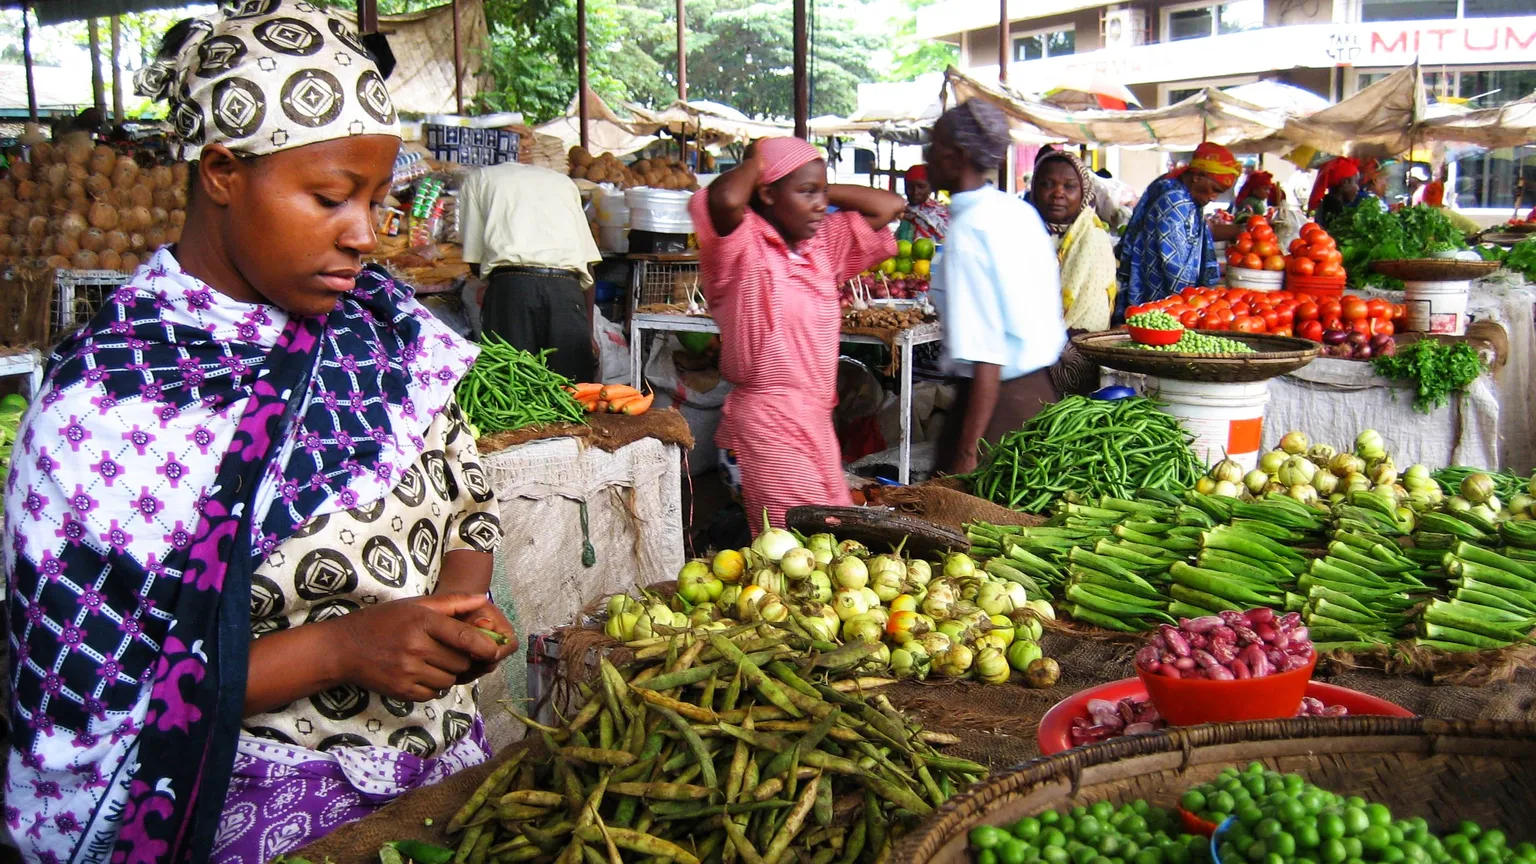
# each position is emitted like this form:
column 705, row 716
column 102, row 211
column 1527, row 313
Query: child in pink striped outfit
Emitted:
column 772, row 259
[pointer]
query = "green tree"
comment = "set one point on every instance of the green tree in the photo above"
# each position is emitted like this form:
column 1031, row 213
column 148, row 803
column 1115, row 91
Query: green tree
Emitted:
column 911, row 55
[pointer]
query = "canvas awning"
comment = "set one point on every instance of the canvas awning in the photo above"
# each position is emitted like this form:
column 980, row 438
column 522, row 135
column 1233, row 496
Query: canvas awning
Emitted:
column 607, row 132
column 713, row 122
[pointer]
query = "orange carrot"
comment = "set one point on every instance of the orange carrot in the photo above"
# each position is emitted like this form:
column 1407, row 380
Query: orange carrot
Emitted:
column 617, row 404
column 597, row 406
column 617, row 391
column 639, row 406
column 582, row 391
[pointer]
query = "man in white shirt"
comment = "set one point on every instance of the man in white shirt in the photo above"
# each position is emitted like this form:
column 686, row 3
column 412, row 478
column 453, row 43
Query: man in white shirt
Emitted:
column 997, row 287
column 523, row 227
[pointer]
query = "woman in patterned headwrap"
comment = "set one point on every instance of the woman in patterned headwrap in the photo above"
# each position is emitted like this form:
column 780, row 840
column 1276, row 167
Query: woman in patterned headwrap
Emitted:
column 249, row 544
column 772, row 259
column 1167, row 244
column 1335, row 190
column 926, row 217
column 1256, row 195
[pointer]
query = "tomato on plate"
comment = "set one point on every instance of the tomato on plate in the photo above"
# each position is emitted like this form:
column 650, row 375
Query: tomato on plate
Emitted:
column 1312, row 329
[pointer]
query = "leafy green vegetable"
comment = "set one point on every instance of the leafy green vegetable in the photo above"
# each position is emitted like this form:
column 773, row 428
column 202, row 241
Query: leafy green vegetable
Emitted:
column 1440, row 369
column 1368, row 234
column 1522, row 258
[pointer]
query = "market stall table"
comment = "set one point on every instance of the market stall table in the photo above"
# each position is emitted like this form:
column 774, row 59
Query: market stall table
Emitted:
column 614, row 488
column 904, row 343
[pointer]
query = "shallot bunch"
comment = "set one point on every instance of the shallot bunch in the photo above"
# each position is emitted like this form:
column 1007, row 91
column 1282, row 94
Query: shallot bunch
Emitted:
column 1229, row 646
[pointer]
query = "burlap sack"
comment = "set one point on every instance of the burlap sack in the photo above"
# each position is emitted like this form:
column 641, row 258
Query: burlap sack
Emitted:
column 943, row 503
column 604, row 431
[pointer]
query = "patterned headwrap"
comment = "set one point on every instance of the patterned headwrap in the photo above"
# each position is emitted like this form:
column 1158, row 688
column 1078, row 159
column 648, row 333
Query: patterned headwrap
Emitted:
column 1332, row 172
column 784, row 156
column 1369, row 169
column 260, row 76
column 1259, row 184
column 980, row 130
column 917, row 174
column 1084, row 175
column 1218, row 163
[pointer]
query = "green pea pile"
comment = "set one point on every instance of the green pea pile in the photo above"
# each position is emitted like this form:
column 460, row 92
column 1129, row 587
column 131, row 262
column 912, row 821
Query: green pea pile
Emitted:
column 1155, row 320
column 1200, row 343
column 1282, row 819
column 1276, row 819
column 1136, row 833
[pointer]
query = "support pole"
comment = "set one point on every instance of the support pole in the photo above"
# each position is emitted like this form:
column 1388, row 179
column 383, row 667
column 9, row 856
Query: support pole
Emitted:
column 458, row 63
column 1004, row 44
column 367, row 16
column 682, row 53
column 26, row 59
column 581, row 68
column 117, row 70
column 802, row 79
column 98, row 88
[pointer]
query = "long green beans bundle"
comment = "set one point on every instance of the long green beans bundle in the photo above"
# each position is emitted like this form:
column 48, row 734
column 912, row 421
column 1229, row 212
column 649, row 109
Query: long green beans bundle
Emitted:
column 1091, row 447
column 509, row 388
column 1506, row 484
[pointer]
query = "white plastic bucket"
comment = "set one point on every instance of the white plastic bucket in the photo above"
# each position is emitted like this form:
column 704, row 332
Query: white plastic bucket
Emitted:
column 1255, row 280
column 646, row 198
column 1437, row 307
column 1227, row 420
column 613, row 239
column 661, row 222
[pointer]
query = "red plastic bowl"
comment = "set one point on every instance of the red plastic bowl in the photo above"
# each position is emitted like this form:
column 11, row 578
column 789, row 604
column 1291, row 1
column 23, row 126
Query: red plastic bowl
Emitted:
column 1320, row 287
column 1149, row 336
column 1191, row 701
column 1054, row 726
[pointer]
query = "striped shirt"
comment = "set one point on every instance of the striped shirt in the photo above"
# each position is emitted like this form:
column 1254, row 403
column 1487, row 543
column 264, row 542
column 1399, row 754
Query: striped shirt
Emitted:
column 779, row 318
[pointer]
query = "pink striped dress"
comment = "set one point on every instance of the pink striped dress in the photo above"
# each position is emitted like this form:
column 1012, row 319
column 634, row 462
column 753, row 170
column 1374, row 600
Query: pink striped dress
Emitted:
column 779, row 319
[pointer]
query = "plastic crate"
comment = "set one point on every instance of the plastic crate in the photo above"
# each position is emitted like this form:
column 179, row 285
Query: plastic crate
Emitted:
column 77, row 296
column 665, row 279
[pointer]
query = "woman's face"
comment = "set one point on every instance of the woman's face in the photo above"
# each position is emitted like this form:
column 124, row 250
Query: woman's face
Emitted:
column 1348, row 188
column 297, row 223
column 1057, row 191
column 918, row 192
column 797, row 202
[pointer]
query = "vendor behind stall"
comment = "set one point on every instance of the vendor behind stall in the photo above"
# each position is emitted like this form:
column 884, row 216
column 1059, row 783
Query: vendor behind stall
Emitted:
column 1168, row 245
column 1336, row 189
column 249, row 543
column 926, row 217
column 523, row 227
column 1373, row 185
column 1434, row 196
column 998, row 295
column 772, row 258
column 1256, row 195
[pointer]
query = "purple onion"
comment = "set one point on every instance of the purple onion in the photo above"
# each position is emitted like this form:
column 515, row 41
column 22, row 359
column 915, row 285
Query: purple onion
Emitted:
column 1335, row 337
column 1363, row 352
column 1381, row 340
column 1355, row 337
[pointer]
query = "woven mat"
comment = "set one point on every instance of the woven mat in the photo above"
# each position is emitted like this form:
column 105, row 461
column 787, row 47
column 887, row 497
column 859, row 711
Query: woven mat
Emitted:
column 604, row 431
column 943, row 502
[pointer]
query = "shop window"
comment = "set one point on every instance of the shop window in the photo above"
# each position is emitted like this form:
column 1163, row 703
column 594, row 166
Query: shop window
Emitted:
column 1212, row 19
column 1494, row 8
column 1406, row 10
column 1488, row 179
column 1050, row 43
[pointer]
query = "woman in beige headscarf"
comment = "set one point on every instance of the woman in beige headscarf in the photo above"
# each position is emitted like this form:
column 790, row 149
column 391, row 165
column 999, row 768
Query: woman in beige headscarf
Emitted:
column 1062, row 190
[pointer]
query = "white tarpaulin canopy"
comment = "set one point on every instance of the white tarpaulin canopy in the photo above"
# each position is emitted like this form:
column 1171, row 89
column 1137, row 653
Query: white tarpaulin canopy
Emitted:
column 1382, row 118
column 607, row 132
column 712, row 121
column 1506, row 126
column 1209, row 115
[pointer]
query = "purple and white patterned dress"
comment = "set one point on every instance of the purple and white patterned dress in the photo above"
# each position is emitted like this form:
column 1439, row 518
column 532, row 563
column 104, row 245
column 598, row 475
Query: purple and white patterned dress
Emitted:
column 172, row 421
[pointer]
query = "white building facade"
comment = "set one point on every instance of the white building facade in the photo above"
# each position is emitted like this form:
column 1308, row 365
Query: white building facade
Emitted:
column 1481, row 53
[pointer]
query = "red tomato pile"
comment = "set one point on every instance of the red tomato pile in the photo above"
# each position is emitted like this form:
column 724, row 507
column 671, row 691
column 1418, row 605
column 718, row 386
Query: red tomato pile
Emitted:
column 1278, row 313
column 1314, row 254
column 1256, row 248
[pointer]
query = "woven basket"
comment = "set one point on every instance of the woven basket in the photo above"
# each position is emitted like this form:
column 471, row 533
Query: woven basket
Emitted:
column 1273, row 356
column 880, row 530
column 26, row 298
column 1434, row 269
column 1442, row 770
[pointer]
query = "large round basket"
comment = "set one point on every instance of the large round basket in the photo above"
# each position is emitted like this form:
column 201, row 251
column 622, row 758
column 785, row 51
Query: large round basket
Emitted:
column 1442, row 770
column 1273, row 356
column 1434, row 269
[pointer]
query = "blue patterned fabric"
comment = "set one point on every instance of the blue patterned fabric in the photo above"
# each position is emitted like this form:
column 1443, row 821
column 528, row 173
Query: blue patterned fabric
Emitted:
column 151, row 460
column 1167, row 246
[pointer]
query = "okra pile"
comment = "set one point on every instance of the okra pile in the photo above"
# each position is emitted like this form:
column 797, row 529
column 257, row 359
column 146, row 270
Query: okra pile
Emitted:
column 1360, row 574
column 747, row 742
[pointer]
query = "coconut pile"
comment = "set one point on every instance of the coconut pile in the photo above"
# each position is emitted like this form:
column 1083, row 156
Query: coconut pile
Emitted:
column 655, row 173
column 80, row 207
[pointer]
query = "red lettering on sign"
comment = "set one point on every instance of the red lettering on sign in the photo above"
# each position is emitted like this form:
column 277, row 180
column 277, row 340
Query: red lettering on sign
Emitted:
column 1511, row 40
column 1440, row 44
column 1378, row 43
column 1493, row 41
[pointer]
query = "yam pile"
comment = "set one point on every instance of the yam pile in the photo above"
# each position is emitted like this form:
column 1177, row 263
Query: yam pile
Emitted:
column 655, row 173
column 74, row 206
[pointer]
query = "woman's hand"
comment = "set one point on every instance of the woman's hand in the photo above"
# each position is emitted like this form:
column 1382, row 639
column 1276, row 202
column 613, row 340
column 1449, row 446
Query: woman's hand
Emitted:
column 489, row 617
column 416, row 648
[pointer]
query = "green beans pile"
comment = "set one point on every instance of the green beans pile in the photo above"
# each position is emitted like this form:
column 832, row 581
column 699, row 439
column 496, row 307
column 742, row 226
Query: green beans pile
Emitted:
column 1155, row 320
column 1200, row 343
column 1506, row 484
column 750, row 743
column 509, row 388
column 1090, row 447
